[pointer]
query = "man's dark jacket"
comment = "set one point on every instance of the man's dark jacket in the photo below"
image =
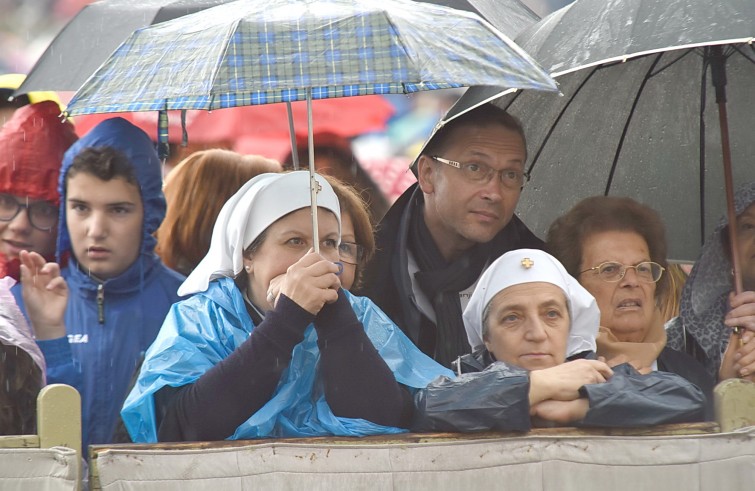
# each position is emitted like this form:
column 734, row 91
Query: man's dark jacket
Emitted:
column 386, row 279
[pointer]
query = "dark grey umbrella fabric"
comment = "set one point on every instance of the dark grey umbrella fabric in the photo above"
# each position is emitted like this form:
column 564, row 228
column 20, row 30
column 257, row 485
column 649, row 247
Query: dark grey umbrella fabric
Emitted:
column 646, row 127
column 596, row 31
column 508, row 16
column 90, row 37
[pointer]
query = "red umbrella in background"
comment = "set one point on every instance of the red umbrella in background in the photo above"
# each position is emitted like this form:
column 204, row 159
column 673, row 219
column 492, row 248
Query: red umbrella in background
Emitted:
column 347, row 117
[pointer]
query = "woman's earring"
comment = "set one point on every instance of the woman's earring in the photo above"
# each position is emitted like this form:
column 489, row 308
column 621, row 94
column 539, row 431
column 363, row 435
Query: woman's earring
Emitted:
column 248, row 268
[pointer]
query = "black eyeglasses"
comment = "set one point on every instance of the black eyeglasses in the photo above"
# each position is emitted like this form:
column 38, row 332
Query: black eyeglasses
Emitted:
column 612, row 272
column 42, row 215
column 478, row 172
column 351, row 252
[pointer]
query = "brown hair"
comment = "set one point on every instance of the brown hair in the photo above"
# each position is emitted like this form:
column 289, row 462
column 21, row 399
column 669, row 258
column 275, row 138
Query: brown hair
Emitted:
column 21, row 380
column 195, row 191
column 353, row 205
column 567, row 234
column 104, row 163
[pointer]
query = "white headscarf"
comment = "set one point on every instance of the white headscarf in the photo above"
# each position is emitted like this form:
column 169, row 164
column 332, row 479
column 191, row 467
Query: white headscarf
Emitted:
column 530, row 266
column 258, row 204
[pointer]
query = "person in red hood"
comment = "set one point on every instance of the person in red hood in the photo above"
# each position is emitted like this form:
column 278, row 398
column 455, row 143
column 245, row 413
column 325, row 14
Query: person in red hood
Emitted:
column 32, row 144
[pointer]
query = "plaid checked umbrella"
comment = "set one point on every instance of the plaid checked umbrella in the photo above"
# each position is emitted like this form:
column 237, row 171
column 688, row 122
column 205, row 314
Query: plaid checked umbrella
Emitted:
column 265, row 51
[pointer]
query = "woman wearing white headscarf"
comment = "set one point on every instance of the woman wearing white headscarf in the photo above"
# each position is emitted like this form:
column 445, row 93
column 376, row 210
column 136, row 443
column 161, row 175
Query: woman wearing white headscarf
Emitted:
column 270, row 344
column 532, row 330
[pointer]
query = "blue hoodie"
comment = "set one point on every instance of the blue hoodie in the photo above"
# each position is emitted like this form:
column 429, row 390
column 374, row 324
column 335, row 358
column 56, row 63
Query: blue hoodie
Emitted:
column 111, row 324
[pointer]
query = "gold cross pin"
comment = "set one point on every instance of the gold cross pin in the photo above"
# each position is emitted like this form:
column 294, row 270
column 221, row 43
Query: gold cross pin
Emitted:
column 527, row 263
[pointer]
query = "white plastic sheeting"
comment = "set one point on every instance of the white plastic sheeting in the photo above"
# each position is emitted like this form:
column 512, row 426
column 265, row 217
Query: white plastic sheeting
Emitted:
column 49, row 469
column 537, row 463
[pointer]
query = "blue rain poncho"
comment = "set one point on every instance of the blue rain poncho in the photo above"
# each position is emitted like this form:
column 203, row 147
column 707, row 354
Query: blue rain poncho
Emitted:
column 203, row 330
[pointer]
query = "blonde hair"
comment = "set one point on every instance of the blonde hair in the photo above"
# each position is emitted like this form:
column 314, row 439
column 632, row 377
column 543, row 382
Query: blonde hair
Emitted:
column 670, row 301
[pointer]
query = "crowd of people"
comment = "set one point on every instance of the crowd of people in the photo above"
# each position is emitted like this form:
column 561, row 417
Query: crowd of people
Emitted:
column 202, row 309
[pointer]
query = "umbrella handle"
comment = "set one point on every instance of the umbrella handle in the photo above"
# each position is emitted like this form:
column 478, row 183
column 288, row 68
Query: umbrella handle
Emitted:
column 314, row 186
column 718, row 76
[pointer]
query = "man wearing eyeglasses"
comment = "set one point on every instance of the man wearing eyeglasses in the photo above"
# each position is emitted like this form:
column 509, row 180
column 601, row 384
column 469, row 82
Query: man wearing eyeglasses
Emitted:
column 441, row 234
column 32, row 144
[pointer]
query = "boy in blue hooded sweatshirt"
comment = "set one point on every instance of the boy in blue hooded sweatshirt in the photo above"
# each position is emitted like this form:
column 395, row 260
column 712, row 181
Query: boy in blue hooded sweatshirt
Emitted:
column 120, row 292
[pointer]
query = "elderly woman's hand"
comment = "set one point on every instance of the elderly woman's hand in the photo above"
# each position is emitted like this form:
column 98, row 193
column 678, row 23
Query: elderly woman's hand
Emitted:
column 739, row 358
column 311, row 282
column 560, row 412
column 742, row 313
column 563, row 382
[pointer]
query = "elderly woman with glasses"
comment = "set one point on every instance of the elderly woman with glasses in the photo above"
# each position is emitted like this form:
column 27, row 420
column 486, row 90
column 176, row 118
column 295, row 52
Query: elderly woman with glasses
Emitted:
column 532, row 330
column 616, row 248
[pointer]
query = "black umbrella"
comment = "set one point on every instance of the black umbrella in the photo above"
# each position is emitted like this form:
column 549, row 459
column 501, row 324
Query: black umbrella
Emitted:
column 89, row 38
column 638, row 114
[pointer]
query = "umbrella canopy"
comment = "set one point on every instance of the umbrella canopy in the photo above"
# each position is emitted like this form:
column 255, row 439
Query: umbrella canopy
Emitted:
column 638, row 116
column 256, row 52
column 89, row 38
column 101, row 26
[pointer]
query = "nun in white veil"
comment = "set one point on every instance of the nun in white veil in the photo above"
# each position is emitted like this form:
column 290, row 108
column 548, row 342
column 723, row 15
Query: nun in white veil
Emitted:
column 531, row 327
column 270, row 344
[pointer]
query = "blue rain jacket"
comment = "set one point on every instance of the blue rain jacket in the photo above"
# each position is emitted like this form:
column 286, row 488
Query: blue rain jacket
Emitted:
column 105, row 343
column 203, row 330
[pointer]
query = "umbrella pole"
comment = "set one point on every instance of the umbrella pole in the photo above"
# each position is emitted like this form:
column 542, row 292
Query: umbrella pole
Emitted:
column 314, row 186
column 292, row 133
column 718, row 75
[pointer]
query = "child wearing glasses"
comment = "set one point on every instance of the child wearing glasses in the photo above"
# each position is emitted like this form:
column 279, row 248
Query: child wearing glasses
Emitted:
column 32, row 144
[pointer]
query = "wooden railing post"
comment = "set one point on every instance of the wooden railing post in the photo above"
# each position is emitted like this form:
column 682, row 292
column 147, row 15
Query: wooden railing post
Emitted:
column 59, row 419
column 735, row 404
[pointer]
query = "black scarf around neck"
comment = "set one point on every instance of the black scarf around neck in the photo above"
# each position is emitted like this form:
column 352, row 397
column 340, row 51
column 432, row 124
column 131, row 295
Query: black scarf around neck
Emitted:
column 442, row 281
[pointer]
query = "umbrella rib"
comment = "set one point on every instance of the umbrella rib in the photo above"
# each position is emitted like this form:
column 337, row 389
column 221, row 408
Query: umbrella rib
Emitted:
column 701, row 170
column 628, row 122
column 672, row 62
column 558, row 119
column 751, row 60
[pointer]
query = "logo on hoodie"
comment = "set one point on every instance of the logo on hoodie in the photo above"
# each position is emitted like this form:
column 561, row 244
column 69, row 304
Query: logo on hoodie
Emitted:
column 78, row 338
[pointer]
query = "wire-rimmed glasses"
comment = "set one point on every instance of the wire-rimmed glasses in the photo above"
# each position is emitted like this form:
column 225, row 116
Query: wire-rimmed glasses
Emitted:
column 350, row 252
column 611, row 271
column 478, row 172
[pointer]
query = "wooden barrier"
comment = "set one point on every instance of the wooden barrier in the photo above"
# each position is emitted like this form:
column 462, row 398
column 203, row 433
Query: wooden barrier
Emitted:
column 51, row 459
column 735, row 404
